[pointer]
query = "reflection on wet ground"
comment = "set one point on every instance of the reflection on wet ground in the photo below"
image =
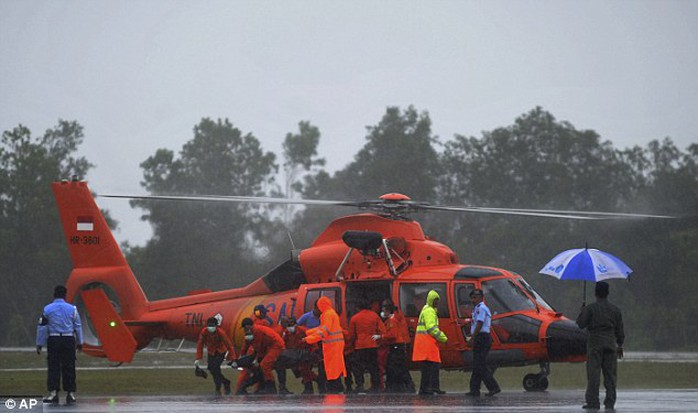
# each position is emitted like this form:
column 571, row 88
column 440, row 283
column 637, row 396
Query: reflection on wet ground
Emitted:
column 551, row 401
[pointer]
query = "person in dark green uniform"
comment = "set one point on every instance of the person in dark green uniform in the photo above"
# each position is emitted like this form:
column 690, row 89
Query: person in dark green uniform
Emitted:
column 604, row 323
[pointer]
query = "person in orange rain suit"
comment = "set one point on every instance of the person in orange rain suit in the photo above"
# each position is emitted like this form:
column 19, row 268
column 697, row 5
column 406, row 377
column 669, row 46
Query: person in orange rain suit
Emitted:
column 365, row 329
column 217, row 345
column 268, row 346
column 259, row 316
column 293, row 338
column 396, row 339
column 330, row 333
column 426, row 349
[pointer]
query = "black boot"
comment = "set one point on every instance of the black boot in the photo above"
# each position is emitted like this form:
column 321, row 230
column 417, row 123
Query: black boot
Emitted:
column 283, row 389
column 52, row 397
column 308, row 388
column 270, row 387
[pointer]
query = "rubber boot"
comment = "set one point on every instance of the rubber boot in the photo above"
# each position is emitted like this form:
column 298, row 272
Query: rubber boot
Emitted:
column 267, row 387
column 52, row 397
column 308, row 388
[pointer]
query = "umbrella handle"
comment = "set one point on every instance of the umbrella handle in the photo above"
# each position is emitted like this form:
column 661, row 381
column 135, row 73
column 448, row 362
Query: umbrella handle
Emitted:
column 584, row 300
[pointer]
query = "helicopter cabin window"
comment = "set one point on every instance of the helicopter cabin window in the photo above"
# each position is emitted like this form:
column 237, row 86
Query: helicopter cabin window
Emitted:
column 503, row 296
column 334, row 294
column 465, row 307
column 370, row 292
column 413, row 297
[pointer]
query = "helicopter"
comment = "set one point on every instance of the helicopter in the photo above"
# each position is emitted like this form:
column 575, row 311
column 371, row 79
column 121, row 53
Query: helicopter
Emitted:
column 369, row 255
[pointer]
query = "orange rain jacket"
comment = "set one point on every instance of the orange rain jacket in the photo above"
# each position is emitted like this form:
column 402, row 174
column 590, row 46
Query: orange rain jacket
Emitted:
column 330, row 333
column 216, row 342
column 428, row 333
column 363, row 325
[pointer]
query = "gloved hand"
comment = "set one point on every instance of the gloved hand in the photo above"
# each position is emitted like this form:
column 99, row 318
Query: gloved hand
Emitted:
column 376, row 337
column 38, row 349
column 619, row 352
column 79, row 347
column 255, row 363
column 196, row 363
column 233, row 364
column 469, row 339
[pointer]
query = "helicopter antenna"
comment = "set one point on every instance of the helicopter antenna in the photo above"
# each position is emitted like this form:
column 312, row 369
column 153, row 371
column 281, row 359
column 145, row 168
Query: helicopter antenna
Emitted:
column 293, row 246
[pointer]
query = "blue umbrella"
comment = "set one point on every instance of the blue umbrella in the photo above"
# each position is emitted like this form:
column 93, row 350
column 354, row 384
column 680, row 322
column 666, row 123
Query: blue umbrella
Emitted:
column 586, row 264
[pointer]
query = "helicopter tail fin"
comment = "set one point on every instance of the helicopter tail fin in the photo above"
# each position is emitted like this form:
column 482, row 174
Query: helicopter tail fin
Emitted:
column 117, row 341
column 98, row 263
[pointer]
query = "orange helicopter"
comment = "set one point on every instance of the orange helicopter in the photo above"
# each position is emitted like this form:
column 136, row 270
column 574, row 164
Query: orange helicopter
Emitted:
column 375, row 255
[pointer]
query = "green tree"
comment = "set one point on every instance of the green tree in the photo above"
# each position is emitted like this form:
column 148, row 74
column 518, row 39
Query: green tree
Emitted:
column 538, row 162
column 204, row 245
column 399, row 156
column 300, row 154
column 33, row 253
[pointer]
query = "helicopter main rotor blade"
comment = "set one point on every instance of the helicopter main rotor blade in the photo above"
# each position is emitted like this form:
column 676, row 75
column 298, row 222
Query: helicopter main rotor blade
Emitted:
column 588, row 213
column 552, row 213
column 503, row 211
column 232, row 198
column 397, row 207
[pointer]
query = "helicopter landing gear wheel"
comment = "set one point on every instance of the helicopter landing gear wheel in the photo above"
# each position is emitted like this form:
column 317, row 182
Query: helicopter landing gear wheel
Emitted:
column 535, row 382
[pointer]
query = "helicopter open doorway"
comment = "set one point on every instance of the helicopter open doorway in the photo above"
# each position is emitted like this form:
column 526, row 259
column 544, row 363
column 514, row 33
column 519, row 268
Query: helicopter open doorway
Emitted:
column 369, row 292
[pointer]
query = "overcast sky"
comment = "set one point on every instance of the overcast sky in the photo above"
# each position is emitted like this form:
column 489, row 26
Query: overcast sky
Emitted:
column 138, row 75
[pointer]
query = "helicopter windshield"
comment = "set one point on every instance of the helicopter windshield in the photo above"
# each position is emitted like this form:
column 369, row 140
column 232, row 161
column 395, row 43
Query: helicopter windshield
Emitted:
column 503, row 296
column 535, row 294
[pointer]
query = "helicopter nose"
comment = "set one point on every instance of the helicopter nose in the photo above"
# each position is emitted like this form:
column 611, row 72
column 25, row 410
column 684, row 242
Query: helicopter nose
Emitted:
column 565, row 341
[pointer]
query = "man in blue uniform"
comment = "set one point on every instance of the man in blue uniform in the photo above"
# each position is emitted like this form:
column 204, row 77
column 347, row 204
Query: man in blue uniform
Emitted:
column 604, row 323
column 481, row 341
column 309, row 320
column 60, row 330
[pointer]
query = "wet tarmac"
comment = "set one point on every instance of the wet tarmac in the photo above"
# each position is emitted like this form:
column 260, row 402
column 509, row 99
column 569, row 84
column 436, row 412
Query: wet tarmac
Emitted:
column 551, row 401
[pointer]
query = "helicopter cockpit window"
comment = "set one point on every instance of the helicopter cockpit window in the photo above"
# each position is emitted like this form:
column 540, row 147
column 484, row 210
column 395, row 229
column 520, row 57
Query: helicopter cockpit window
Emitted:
column 535, row 294
column 333, row 294
column 503, row 296
column 414, row 296
column 465, row 307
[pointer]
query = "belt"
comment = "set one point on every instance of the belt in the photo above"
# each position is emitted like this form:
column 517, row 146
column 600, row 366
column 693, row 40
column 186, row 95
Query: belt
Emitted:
column 61, row 334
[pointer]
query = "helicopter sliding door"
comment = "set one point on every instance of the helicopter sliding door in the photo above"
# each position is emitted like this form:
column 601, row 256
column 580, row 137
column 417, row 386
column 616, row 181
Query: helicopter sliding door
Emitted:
column 464, row 310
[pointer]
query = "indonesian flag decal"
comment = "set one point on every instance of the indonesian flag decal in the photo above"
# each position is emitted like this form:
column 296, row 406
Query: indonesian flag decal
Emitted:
column 85, row 223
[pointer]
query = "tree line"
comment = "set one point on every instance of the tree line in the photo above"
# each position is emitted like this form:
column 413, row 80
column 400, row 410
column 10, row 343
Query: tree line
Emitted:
column 536, row 162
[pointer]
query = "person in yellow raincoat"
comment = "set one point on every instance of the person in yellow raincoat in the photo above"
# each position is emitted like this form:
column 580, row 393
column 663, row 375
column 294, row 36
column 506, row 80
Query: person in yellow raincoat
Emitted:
column 426, row 349
column 330, row 333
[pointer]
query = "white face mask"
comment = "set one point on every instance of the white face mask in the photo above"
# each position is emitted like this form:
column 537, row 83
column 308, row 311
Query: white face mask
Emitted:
column 292, row 329
column 248, row 337
column 211, row 329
